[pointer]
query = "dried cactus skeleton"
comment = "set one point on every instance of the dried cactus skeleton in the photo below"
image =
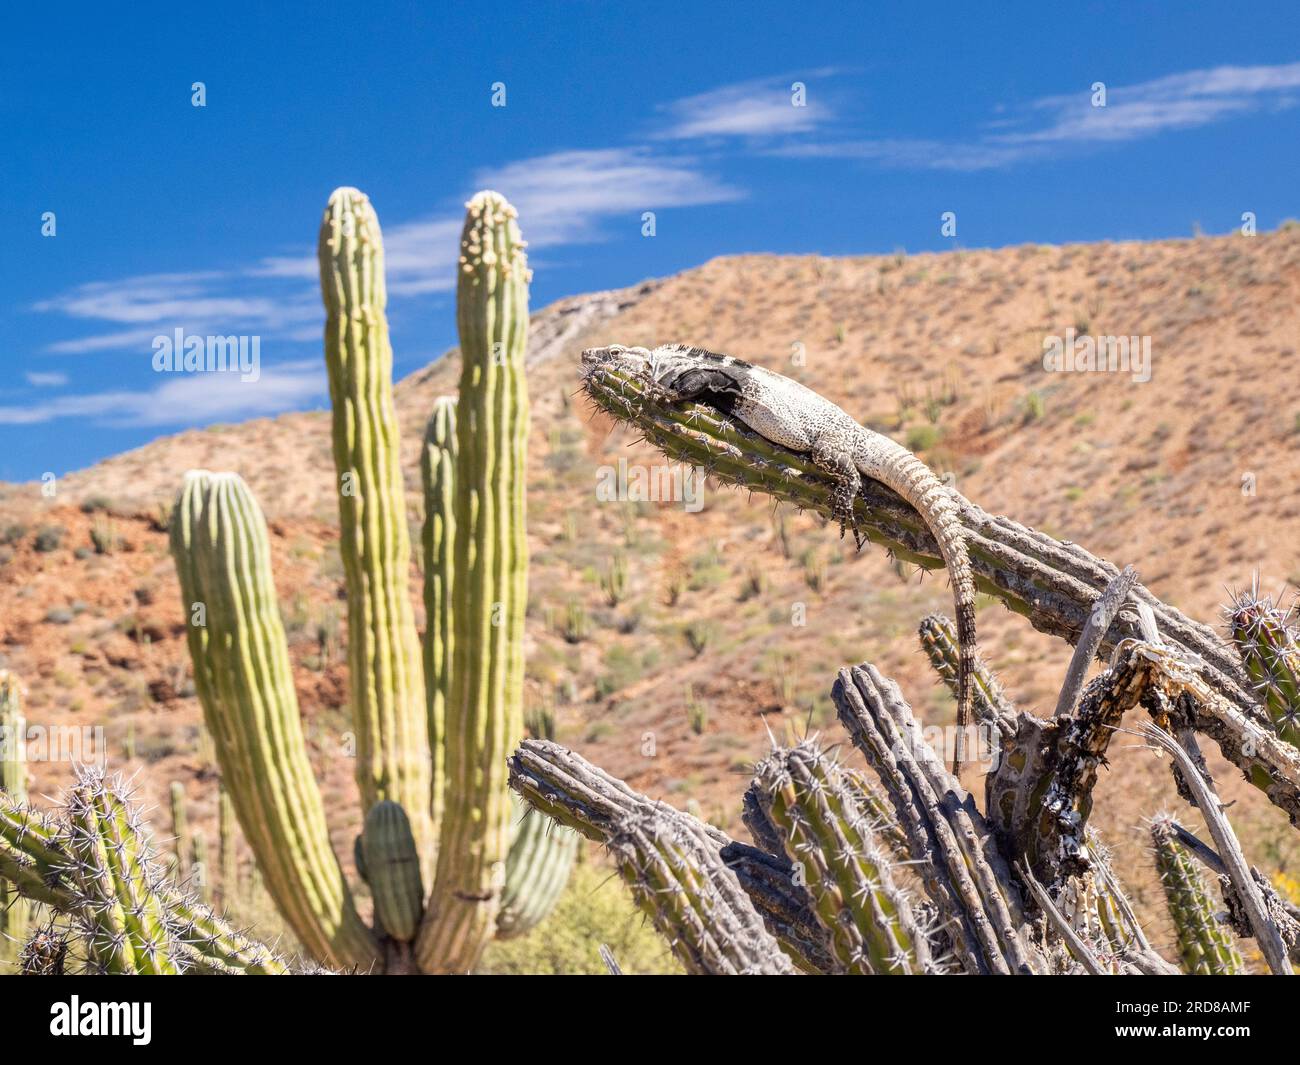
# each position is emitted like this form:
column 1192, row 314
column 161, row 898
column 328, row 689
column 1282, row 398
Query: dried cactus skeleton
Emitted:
column 934, row 883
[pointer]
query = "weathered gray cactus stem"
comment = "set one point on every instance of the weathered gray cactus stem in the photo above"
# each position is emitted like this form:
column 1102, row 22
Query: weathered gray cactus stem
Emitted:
column 1051, row 583
column 670, row 860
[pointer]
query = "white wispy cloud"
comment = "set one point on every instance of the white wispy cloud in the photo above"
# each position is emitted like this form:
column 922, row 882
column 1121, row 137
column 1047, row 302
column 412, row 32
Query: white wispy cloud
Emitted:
column 191, row 399
column 565, row 196
column 52, row 379
column 762, row 107
column 562, row 198
column 1052, row 124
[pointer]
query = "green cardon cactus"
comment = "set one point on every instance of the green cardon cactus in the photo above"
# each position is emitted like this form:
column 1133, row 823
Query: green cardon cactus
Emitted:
column 432, row 776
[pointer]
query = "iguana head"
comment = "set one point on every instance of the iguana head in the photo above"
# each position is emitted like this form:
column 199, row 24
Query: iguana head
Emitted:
column 676, row 373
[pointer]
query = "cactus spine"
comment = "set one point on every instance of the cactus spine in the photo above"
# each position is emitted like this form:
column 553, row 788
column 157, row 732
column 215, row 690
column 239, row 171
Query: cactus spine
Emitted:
column 392, row 867
column 490, row 589
column 393, row 760
column 244, row 681
column 1204, row 945
column 437, row 471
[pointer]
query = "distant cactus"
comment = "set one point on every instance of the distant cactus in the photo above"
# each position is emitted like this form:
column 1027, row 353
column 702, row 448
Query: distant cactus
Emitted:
column 614, row 580
column 1268, row 641
column 226, row 845
column 180, row 829
column 576, row 625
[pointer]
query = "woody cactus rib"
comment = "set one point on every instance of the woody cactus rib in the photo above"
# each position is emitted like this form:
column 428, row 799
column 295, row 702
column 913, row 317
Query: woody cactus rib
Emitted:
column 489, row 593
column 244, row 681
column 1204, row 945
column 670, row 860
column 385, row 675
column 847, row 868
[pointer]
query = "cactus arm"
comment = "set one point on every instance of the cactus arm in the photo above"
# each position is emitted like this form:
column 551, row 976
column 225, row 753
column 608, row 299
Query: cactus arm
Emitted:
column 387, row 687
column 959, row 860
column 786, row 909
column 15, row 915
column 537, row 868
column 120, row 910
column 393, row 870
column 671, row 861
column 34, row 854
column 245, row 684
column 1051, row 583
column 847, row 869
column 990, row 704
column 490, row 590
column 1204, row 945
column 1266, row 640
column 437, row 472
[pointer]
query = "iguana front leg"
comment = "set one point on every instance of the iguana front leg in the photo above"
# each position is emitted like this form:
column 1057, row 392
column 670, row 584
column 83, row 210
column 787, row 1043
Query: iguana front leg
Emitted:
column 837, row 461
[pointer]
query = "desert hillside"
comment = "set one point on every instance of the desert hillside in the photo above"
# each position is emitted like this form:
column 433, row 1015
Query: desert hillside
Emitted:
column 1193, row 477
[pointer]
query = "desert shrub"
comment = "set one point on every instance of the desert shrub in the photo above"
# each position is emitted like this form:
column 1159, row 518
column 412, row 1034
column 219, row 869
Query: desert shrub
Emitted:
column 49, row 538
column 594, row 909
column 923, row 437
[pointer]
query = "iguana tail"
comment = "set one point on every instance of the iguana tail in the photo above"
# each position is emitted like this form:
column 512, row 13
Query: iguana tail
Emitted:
column 915, row 481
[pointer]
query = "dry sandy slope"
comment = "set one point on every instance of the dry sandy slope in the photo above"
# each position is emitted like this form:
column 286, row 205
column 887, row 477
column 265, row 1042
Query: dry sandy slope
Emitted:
column 943, row 350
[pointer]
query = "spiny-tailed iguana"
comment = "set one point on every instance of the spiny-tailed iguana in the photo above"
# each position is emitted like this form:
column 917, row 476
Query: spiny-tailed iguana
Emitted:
column 795, row 417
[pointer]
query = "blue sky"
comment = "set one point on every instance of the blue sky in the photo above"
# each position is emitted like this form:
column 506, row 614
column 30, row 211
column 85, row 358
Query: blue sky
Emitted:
column 171, row 216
